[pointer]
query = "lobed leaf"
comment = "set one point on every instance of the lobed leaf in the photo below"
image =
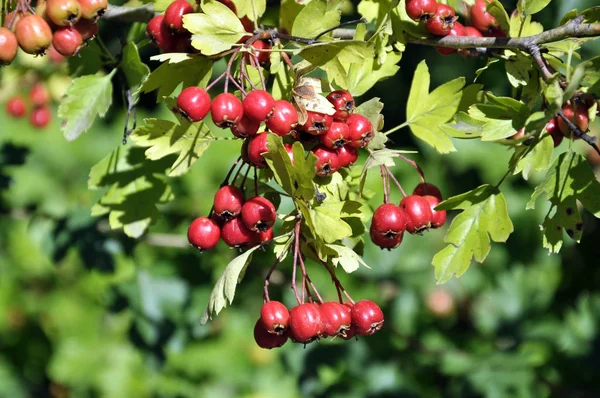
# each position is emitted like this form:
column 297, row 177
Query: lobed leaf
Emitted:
column 192, row 71
column 315, row 18
column 134, row 69
column 347, row 258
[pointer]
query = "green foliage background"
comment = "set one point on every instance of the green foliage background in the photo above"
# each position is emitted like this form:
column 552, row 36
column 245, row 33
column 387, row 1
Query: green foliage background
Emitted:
column 85, row 311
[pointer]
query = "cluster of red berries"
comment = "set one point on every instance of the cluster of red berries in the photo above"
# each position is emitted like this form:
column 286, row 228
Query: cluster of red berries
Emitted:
column 415, row 214
column 39, row 100
column 441, row 20
column 309, row 322
column 240, row 223
column 63, row 24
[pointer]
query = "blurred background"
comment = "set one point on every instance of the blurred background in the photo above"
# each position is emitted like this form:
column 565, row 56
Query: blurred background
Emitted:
column 87, row 312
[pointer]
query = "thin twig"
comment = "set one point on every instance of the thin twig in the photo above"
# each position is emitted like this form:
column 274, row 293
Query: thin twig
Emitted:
column 268, row 276
column 413, row 164
column 395, row 180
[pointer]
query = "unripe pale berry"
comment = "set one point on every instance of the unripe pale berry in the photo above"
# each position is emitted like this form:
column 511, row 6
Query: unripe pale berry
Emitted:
column 63, row 12
column 8, row 46
column 92, row 9
column 33, row 34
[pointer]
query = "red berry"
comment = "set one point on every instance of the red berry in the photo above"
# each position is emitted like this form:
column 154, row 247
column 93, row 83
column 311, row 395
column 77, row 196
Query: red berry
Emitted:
column 418, row 213
column 442, row 21
column 267, row 340
column 388, row 225
column 33, row 34
column 63, row 12
column 336, row 319
column 8, row 46
column 235, row 233
column 193, row 103
column 258, row 214
column 360, row 130
column 203, row 233
column 481, row 19
column 290, row 151
column 11, row 19
column 580, row 118
column 264, row 57
column 469, row 32
column 438, row 217
column 40, row 117
column 175, row 12
column 306, row 324
column 261, row 237
column 158, row 33
column 328, row 161
column 336, row 136
column 67, row 41
column 226, row 110
column 426, row 188
column 39, row 95
column 553, row 130
column 283, row 119
column 317, row 123
column 228, row 202
column 245, row 128
column 385, row 241
column 275, row 317
column 367, row 317
column 16, row 107
column 420, row 10
column 343, row 104
column 347, row 155
column 91, row 10
column 258, row 105
column 457, row 30
column 87, row 29
column 179, row 43
column 54, row 56
column 257, row 146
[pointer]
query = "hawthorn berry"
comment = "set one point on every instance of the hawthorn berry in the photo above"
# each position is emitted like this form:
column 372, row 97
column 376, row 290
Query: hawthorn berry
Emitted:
column 360, row 131
column 86, row 28
column 40, row 117
column 33, row 34
column 347, row 155
column 438, row 217
column 258, row 105
column 578, row 115
column 63, row 12
column 426, row 188
column 275, row 317
column 306, row 323
column 245, row 128
column 328, row 161
column 228, row 202
column 91, row 10
column 267, row 340
column 8, row 46
column 481, row 19
column 387, row 226
column 16, row 107
column 336, row 318
column 264, row 57
column 203, row 233
column 54, row 56
column 175, row 12
column 290, row 151
column 39, row 95
column 235, row 234
column 256, row 147
column 159, row 34
column 193, row 103
column 317, row 123
column 343, row 103
column 442, row 22
column 336, row 136
column 367, row 317
column 554, row 131
column 457, row 30
column 179, row 43
column 418, row 213
column 440, row 303
column 258, row 214
column 226, row 110
column 11, row 19
column 283, row 119
column 421, row 10
column 261, row 237
column 67, row 41
column 469, row 32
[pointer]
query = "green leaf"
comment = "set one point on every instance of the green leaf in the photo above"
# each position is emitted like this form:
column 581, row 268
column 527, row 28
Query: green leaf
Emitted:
column 517, row 69
column 254, row 9
column 195, row 71
column 135, row 70
column 346, row 258
column 530, row 7
column 464, row 126
column 538, row 158
column 426, row 112
column 371, row 109
column 523, row 26
column 135, row 187
column 377, row 158
column 224, row 289
column 364, row 75
column 570, row 179
column 327, row 220
column 497, row 10
column 164, row 138
column 485, row 216
column 215, row 30
column 87, row 97
column 315, row 18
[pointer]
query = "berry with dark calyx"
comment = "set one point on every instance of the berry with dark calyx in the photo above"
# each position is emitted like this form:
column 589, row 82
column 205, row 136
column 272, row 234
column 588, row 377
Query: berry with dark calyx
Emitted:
column 347, row 155
column 317, row 123
column 264, row 57
column 91, row 10
column 261, row 237
column 8, row 46
column 257, row 146
column 87, row 29
column 193, row 103
column 578, row 115
column 228, row 202
column 16, row 107
column 39, row 95
column 158, row 33
column 343, row 103
column 175, row 12
column 203, row 233
column 553, row 130
column 63, row 12
column 360, row 131
column 457, row 30
column 385, row 241
column 328, row 161
column 469, row 32
column 245, row 128
column 426, row 188
column 388, row 225
column 258, row 214
column 418, row 213
column 258, row 105
column 283, row 119
column 67, row 41
column 40, row 117
column 33, row 34
column 336, row 318
column 438, row 217
column 226, row 110
column 367, row 317
column 420, row 10
column 336, row 136
column 275, row 317
column 306, row 323
column 235, row 234
column 442, row 22
column 267, row 340
column 481, row 19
